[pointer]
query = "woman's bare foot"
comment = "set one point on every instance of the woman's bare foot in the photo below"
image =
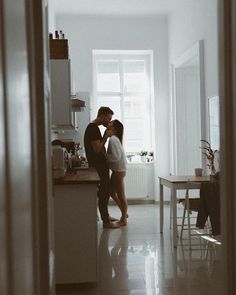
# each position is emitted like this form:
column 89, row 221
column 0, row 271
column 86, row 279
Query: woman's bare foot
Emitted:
column 123, row 221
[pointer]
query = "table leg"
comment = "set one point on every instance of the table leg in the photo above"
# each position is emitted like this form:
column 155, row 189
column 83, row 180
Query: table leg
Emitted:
column 161, row 208
column 174, row 214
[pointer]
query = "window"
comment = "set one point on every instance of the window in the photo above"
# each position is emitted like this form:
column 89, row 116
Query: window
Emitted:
column 122, row 82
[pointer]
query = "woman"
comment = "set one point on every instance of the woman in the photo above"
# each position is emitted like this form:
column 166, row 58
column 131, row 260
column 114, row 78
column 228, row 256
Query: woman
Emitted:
column 117, row 163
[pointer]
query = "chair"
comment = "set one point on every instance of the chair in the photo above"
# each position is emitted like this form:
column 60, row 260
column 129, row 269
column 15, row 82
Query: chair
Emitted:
column 210, row 206
column 191, row 204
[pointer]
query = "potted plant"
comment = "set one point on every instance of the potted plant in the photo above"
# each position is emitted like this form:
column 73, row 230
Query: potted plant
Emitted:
column 129, row 157
column 143, row 154
column 210, row 155
column 150, row 156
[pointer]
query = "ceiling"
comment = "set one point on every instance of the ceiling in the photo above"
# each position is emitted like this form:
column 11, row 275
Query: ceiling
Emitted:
column 116, row 7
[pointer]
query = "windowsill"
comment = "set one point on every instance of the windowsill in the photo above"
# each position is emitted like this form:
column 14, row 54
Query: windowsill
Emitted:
column 139, row 163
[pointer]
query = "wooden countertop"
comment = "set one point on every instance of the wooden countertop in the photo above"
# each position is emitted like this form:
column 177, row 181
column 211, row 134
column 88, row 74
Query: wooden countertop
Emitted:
column 83, row 176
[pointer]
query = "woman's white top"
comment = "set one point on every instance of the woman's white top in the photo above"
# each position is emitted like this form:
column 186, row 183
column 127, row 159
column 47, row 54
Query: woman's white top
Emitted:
column 116, row 154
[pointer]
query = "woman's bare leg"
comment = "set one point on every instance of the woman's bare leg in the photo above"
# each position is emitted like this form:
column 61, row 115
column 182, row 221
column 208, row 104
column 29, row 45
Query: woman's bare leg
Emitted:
column 113, row 191
column 120, row 191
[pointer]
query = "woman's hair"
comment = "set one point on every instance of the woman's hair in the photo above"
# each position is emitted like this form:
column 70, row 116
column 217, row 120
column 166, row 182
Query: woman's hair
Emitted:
column 119, row 128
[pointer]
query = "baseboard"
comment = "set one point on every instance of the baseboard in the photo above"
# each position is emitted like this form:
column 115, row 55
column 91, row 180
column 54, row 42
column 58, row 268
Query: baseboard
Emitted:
column 140, row 202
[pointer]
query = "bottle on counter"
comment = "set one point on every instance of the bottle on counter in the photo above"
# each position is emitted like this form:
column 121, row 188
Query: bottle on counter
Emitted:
column 60, row 34
column 56, row 34
column 77, row 150
column 69, row 161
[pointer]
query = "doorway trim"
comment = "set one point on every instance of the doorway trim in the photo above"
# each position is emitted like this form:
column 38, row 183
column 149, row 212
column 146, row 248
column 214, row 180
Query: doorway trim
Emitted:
column 227, row 78
column 197, row 50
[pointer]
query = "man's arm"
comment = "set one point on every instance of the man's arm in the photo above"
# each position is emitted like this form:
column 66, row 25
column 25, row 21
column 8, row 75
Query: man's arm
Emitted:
column 99, row 144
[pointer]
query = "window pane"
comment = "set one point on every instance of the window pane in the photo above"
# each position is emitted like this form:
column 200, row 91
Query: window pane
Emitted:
column 135, row 79
column 108, row 78
column 133, row 130
column 132, row 146
column 133, row 134
column 134, row 106
column 134, row 66
column 131, row 103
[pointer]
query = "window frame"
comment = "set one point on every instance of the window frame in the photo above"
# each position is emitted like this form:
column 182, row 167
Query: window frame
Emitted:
column 121, row 57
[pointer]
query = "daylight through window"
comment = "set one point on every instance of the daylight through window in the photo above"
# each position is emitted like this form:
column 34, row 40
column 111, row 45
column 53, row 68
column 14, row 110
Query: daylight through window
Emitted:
column 123, row 82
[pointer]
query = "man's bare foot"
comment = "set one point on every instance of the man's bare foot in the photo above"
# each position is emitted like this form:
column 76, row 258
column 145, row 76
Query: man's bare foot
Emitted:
column 111, row 225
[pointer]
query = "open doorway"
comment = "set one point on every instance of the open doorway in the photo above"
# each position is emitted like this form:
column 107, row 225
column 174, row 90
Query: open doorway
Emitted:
column 159, row 91
column 188, row 112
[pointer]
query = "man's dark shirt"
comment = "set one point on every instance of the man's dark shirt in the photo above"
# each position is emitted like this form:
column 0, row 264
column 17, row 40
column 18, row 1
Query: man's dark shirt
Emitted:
column 92, row 133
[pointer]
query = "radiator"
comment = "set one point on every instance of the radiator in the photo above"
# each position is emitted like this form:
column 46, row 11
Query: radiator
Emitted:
column 136, row 182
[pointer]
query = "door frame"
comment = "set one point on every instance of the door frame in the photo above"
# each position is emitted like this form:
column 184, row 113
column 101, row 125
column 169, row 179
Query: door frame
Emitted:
column 26, row 247
column 227, row 78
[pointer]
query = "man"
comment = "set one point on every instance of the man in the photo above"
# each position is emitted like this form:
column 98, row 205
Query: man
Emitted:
column 95, row 150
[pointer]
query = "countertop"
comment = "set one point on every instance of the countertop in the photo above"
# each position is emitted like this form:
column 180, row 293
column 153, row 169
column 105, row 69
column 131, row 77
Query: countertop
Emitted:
column 82, row 176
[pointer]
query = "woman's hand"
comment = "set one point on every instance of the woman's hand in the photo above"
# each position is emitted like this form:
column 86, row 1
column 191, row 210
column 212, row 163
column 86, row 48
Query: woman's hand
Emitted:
column 107, row 133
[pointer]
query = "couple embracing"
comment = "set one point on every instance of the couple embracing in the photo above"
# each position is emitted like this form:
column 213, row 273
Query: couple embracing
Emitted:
column 103, row 161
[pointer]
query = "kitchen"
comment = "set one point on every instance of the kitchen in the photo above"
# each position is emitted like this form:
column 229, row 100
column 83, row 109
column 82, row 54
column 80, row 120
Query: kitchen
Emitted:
column 82, row 65
column 61, row 100
column 162, row 146
column 87, row 31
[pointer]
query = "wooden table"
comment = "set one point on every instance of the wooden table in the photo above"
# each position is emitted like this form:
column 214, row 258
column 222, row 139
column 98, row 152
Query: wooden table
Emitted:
column 175, row 183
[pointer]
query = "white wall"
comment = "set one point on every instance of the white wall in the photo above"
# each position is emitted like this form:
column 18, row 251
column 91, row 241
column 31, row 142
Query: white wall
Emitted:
column 51, row 16
column 121, row 33
column 197, row 21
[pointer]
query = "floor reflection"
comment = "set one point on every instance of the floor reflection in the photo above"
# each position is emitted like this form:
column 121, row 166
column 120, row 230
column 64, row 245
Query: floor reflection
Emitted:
column 138, row 260
column 113, row 260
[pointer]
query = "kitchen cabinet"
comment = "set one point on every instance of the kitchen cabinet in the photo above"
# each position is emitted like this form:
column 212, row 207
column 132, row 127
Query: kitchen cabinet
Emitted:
column 75, row 213
column 62, row 115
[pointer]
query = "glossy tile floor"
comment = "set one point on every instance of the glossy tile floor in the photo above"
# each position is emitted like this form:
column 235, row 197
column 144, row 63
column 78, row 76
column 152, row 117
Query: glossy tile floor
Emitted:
column 138, row 260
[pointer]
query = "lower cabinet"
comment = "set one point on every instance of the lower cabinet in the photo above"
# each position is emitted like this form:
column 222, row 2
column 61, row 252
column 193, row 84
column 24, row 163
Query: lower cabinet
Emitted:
column 75, row 211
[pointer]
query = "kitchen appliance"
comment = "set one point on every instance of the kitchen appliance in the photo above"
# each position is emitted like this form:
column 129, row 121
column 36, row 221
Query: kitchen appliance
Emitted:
column 59, row 157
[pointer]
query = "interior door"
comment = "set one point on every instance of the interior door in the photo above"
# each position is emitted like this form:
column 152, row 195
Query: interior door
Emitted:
column 188, row 119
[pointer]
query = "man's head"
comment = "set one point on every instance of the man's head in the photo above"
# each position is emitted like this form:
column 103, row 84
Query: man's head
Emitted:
column 104, row 115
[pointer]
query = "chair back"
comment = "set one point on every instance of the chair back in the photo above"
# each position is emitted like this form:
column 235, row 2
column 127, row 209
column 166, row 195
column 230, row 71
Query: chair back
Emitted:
column 192, row 203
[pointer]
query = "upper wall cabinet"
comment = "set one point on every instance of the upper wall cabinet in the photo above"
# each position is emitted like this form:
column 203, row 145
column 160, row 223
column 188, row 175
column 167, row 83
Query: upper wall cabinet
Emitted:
column 61, row 109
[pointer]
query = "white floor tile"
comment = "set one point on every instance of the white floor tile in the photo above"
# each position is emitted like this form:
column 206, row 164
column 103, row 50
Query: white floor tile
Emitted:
column 138, row 260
